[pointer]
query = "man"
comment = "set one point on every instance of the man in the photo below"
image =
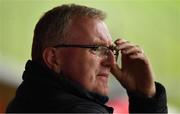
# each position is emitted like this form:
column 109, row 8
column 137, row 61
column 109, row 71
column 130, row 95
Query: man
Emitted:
column 72, row 57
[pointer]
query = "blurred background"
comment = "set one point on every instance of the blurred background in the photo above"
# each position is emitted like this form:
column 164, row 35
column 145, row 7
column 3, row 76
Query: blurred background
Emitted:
column 153, row 24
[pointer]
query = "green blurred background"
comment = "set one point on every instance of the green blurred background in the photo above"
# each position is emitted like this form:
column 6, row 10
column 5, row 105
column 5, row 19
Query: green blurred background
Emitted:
column 153, row 24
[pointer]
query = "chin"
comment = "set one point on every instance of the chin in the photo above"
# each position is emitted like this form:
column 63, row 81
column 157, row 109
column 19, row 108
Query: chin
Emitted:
column 105, row 92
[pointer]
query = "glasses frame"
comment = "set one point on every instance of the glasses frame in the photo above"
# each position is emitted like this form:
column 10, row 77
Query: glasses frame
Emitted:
column 112, row 48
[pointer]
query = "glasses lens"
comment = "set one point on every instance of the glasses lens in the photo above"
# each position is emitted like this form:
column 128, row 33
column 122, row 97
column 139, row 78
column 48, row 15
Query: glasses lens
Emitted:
column 115, row 51
column 103, row 51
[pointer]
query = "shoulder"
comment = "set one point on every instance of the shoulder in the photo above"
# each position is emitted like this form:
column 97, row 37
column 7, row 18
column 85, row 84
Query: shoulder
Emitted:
column 73, row 104
column 88, row 107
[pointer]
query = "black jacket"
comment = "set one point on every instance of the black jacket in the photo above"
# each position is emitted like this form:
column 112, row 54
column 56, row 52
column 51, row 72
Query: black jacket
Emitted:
column 43, row 91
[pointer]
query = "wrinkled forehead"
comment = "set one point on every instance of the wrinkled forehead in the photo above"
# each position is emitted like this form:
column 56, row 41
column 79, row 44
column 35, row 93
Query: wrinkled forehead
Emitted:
column 86, row 30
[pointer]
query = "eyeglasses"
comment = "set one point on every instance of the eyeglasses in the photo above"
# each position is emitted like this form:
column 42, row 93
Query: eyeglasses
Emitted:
column 99, row 50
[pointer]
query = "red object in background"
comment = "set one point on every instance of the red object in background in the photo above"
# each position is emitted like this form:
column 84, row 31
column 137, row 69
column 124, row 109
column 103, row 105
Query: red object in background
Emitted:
column 2, row 107
column 119, row 105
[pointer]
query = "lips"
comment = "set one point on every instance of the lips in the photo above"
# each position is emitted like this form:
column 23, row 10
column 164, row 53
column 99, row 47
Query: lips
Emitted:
column 102, row 78
column 103, row 74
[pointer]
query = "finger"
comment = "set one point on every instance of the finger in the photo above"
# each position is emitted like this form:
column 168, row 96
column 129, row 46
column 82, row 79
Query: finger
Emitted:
column 116, row 71
column 140, row 56
column 131, row 50
column 125, row 45
column 120, row 41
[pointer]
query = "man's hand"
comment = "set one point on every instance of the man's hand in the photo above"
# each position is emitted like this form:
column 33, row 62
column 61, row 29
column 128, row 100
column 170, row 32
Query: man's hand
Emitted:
column 136, row 73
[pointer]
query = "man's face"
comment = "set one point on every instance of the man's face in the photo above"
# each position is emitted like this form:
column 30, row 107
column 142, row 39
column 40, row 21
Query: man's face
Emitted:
column 82, row 65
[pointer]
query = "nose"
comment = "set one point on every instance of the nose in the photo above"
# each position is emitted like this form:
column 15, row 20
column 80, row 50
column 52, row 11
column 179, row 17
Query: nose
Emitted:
column 109, row 60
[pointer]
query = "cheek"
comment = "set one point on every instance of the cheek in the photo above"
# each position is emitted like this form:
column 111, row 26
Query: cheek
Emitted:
column 69, row 63
column 91, row 69
column 81, row 63
column 82, row 68
column 92, row 65
column 88, row 67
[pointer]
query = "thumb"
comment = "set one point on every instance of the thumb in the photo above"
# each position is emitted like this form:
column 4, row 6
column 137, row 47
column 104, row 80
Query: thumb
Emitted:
column 117, row 71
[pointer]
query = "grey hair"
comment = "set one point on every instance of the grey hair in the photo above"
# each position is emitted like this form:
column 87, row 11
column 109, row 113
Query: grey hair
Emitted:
column 52, row 26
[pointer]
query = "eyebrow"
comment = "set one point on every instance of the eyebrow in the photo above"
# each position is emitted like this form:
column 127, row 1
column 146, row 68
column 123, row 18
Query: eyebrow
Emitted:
column 103, row 44
column 101, row 41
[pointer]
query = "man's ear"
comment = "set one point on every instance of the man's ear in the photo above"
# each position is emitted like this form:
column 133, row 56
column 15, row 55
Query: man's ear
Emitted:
column 50, row 59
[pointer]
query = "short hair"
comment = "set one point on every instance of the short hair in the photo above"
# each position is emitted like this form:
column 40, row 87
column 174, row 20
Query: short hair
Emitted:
column 52, row 26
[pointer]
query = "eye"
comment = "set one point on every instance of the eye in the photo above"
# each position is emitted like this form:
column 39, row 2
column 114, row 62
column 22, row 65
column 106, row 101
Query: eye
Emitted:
column 95, row 48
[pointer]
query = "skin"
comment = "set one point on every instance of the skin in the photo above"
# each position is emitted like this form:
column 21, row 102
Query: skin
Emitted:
column 136, row 72
column 91, row 71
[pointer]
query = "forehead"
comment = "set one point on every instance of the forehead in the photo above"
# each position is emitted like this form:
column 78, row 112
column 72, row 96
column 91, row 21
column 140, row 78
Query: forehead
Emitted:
column 86, row 30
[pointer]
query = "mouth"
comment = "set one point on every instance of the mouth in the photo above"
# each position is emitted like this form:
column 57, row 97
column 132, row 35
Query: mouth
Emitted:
column 102, row 79
column 103, row 75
